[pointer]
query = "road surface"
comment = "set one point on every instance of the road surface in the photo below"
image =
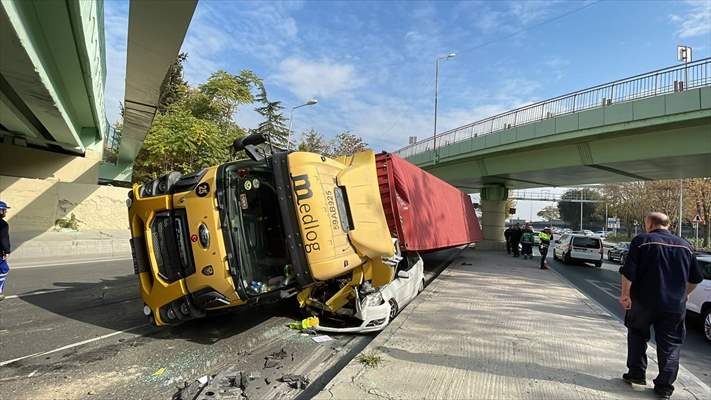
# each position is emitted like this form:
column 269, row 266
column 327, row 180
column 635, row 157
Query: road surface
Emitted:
column 78, row 331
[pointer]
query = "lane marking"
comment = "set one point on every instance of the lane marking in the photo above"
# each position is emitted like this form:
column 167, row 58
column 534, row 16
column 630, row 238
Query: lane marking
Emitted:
column 70, row 346
column 16, row 296
column 77, row 262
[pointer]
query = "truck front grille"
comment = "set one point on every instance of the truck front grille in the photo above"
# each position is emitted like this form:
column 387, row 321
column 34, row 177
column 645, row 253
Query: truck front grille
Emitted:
column 171, row 245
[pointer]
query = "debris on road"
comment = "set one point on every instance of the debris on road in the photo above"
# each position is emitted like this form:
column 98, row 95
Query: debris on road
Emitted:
column 305, row 323
column 159, row 372
column 322, row 339
column 295, row 381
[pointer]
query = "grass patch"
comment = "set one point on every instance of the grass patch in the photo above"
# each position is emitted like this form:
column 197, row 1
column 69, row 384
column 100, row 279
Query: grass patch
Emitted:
column 371, row 360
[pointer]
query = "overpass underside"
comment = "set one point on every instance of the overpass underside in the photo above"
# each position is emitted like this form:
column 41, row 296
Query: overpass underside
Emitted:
column 664, row 137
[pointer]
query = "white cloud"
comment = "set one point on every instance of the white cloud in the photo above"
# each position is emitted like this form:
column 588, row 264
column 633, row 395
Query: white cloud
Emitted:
column 323, row 78
column 697, row 20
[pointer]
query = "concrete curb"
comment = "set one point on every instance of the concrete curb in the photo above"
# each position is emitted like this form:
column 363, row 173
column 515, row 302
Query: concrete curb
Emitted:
column 59, row 246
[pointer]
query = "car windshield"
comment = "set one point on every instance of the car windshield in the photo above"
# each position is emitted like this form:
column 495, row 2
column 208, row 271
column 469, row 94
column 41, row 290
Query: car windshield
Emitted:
column 587, row 242
column 256, row 228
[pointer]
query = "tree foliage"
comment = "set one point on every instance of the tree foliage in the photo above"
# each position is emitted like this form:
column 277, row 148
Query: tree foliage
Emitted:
column 549, row 213
column 274, row 125
column 346, row 144
column 631, row 201
column 343, row 144
column 570, row 211
column 314, row 142
column 196, row 126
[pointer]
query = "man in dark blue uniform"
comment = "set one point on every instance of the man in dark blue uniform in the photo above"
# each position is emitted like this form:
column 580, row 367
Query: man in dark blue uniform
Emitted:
column 658, row 275
column 4, row 247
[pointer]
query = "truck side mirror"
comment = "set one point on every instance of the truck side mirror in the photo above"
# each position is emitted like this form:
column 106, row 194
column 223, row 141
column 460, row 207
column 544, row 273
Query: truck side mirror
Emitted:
column 250, row 145
column 403, row 274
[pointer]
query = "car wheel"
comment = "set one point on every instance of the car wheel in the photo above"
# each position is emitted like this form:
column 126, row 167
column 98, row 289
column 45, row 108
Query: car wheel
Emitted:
column 555, row 256
column 394, row 310
column 623, row 258
column 706, row 314
column 421, row 287
column 566, row 258
column 598, row 264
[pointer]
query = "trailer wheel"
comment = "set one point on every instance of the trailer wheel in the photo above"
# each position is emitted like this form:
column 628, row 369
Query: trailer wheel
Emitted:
column 394, row 310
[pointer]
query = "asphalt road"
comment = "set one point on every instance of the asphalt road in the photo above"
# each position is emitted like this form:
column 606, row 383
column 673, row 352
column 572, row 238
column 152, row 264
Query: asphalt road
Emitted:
column 603, row 286
column 77, row 331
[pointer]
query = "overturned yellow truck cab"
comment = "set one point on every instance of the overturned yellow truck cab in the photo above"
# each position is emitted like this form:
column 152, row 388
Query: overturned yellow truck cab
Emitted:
column 260, row 230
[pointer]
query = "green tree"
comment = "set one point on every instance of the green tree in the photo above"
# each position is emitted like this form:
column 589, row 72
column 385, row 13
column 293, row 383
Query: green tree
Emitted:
column 346, row 144
column 274, row 125
column 314, row 142
column 197, row 129
column 549, row 213
column 570, row 211
column 174, row 86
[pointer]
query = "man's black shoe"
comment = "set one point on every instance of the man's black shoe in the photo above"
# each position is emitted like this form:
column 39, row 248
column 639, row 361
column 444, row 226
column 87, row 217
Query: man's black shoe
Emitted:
column 631, row 379
column 662, row 394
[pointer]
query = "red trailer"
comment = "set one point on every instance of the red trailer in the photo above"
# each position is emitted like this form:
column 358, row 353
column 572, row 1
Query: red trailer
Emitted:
column 424, row 212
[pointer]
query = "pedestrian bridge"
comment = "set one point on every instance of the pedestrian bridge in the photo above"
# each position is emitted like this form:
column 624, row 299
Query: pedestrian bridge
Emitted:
column 652, row 126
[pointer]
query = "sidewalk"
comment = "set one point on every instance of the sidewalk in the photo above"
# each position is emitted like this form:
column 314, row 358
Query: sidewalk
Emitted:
column 495, row 328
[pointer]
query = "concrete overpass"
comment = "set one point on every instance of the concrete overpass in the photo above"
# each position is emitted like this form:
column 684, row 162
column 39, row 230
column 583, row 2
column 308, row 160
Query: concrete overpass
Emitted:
column 52, row 120
column 652, row 126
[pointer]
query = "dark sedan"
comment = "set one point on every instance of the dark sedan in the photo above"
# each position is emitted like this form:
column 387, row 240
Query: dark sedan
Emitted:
column 619, row 252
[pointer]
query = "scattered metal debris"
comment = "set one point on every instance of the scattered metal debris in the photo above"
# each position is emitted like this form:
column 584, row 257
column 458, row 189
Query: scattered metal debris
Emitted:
column 295, row 381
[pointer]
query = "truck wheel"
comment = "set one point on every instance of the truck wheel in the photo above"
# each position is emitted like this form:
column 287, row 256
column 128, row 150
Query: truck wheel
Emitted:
column 394, row 310
column 706, row 315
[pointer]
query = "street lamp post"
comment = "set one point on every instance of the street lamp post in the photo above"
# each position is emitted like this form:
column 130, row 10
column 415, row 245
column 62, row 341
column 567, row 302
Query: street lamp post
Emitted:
column 434, row 134
column 309, row 102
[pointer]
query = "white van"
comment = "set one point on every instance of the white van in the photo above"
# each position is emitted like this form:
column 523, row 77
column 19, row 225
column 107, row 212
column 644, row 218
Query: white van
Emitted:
column 584, row 248
column 699, row 301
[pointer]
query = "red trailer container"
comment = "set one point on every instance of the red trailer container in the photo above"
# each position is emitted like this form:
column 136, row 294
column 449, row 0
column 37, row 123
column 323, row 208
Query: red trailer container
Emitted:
column 423, row 211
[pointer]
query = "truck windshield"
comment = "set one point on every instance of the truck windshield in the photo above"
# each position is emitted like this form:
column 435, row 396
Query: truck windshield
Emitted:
column 256, row 229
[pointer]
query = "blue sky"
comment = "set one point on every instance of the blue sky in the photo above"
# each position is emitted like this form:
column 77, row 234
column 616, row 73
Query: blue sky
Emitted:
column 371, row 64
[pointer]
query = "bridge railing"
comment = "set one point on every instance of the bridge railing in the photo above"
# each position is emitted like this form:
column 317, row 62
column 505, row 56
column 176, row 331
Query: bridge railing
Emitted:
column 668, row 80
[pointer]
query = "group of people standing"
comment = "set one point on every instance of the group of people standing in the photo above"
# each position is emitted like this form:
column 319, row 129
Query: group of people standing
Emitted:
column 525, row 237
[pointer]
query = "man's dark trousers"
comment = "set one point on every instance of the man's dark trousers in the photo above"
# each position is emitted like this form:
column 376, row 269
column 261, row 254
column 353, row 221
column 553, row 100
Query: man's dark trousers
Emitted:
column 669, row 333
column 514, row 248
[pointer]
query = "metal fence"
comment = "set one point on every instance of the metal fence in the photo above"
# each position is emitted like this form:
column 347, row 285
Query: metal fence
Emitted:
column 668, row 80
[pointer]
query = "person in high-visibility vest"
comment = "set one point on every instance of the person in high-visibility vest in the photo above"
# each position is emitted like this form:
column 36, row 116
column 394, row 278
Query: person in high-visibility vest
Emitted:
column 546, row 236
column 4, row 247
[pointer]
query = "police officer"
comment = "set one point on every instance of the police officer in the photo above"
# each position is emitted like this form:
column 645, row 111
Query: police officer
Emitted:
column 658, row 275
column 4, row 247
column 546, row 235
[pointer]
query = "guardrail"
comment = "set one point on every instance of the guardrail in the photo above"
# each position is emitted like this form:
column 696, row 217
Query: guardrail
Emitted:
column 668, row 80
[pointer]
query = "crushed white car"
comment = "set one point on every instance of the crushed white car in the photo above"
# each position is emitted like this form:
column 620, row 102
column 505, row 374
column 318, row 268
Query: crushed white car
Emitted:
column 377, row 309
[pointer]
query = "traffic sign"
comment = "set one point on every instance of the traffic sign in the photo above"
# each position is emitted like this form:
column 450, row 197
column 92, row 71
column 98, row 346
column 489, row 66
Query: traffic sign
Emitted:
column 613, row 223
column 697, row 219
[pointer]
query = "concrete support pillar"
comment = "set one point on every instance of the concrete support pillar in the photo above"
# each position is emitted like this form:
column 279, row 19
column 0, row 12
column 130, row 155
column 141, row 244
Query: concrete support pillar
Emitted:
column 493, row 217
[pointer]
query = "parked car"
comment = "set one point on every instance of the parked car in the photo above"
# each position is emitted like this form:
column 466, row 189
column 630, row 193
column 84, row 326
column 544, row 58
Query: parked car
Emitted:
column 377, row 309
column 583, row 248
column 584, row 232
column 601, row 234
column 699, row 301
column 619, row 252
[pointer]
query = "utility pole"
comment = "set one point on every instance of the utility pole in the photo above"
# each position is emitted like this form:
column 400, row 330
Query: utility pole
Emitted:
column 434, row 133
column 681, row 204
column 581, row 210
